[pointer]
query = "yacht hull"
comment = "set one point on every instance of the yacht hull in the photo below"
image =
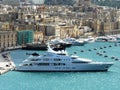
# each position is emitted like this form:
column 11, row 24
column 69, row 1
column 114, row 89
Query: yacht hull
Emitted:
column 91, row 67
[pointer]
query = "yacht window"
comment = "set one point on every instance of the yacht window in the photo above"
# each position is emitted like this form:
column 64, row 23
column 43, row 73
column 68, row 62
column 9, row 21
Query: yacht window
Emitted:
column 46, row 59
column 61, row 54
column 39, row 59
column 58, row 64
column 55, row 64
column 34, row 59
column 62, row 64
column 79, row 62
column 74, row 57
column 43, row 64
column 25, row 64
column 30, row 64
column 57, row 59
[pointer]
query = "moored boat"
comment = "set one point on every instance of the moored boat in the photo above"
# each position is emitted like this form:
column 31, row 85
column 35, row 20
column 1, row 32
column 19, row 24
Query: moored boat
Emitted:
column 61, row 61
column 60, row 42
column 35, row 46
column 74, row 41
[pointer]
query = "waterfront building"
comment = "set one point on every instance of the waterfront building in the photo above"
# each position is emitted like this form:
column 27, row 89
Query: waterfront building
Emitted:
column 7, row 39
column 24, row 37
column 24, row 26
column 44, row 32
column 60, row 30
column 65, row 31
column 38, row 36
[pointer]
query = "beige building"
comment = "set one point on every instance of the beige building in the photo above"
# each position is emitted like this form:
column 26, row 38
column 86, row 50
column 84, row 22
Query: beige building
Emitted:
column 64, row 31
column 38, row 36
column 7, row 39
column 56, row 31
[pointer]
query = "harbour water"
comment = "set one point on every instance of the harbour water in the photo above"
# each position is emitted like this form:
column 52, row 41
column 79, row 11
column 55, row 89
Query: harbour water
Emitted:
column 68, row 80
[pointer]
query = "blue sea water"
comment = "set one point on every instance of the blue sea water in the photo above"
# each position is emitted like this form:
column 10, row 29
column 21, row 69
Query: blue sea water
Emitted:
column 110, row 80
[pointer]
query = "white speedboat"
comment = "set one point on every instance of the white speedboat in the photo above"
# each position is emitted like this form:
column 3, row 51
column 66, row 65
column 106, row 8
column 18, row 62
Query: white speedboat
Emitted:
column 60, row 41
column 74, row 42
column 112, row 39
column 89, row 39
column 61, row 61
column 101, row 39
column 106, row 39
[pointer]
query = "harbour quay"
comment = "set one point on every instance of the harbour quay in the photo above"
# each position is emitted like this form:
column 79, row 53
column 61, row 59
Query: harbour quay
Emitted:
column 6, row 63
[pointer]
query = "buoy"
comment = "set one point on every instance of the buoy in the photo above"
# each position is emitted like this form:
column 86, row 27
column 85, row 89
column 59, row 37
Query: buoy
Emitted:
column 112, row 57
column 82, row 50
column 98, row 53
column 105, row 47
column 105, row 56
column 116, row 59
column 110, row 46
column 101, row 48
column 104, row 51
column 95, row 48
column 89, row 49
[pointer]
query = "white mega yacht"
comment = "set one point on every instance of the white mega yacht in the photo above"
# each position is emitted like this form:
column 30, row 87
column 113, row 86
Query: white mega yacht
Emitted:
column 61, row 61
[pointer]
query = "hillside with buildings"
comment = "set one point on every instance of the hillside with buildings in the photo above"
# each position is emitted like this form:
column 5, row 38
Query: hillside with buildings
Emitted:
column 24, row 24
